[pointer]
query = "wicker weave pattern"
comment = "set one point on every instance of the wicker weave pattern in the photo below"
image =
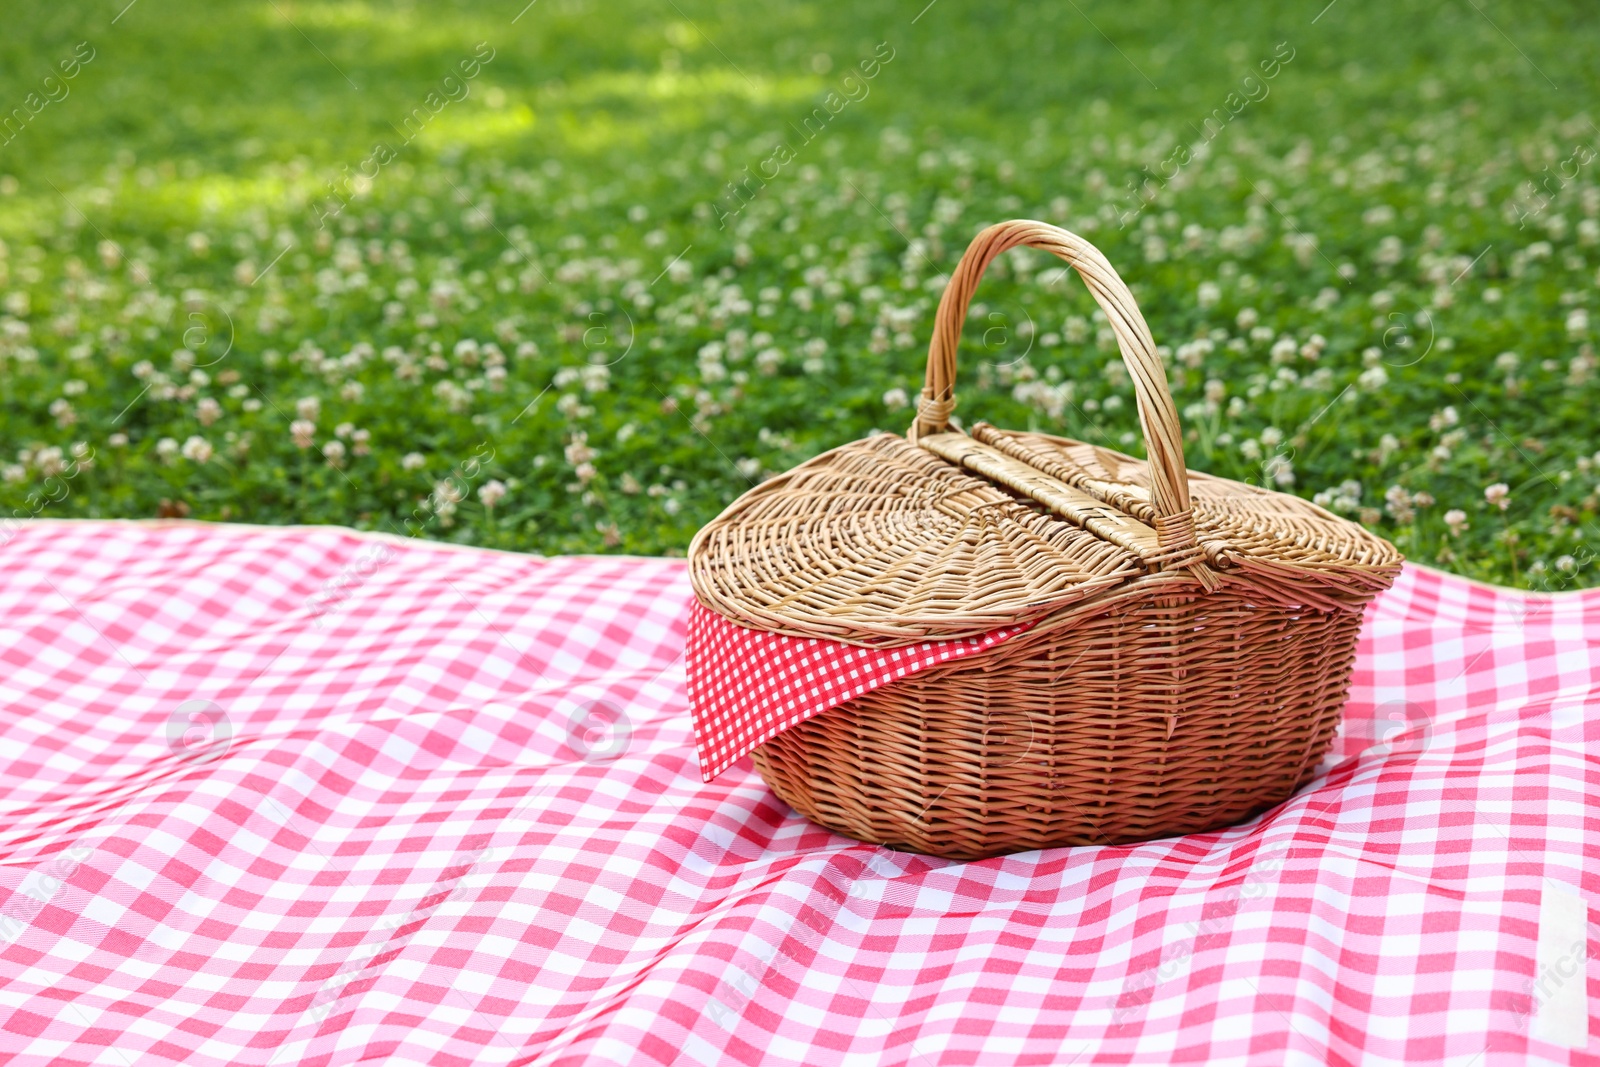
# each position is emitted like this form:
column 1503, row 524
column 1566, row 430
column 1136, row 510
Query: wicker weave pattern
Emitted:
column 883, row 543
column 1194, row 635
column 1146, row 720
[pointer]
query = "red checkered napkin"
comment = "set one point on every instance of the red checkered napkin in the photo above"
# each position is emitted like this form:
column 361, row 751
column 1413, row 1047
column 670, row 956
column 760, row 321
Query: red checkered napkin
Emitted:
column 748, row 686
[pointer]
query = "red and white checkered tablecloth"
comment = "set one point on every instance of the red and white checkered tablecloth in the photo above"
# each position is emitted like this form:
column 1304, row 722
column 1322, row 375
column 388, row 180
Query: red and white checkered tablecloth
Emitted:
column 303, row 796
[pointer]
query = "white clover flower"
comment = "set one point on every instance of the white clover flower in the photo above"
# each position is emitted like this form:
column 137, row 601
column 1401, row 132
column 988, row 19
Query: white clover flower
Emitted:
column 1208, row 294
column 1397, row 502
column 1373, row 378
column 1498, row 495
column 443, row 500
column 167, row 449
column 1456, row 519
column 50, row 461
column 207, row 411
column 1566, row 564
column 578, row 450
column 362, row 440
column 491, row 492
column 895, row 399
column 308, row 408
column 117, row 440
column 412, row 461
column 197, row 449
column 14, row 472
column 61, row 409
column 712, row 371
column 302, row 432
column 455, row 398
column 768, row 360
column 333, row 452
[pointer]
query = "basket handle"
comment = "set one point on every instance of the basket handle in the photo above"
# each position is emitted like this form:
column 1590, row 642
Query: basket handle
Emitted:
column 1174, row 518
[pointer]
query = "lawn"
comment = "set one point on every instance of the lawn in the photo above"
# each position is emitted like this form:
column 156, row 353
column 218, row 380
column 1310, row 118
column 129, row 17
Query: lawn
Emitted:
column 569, row 277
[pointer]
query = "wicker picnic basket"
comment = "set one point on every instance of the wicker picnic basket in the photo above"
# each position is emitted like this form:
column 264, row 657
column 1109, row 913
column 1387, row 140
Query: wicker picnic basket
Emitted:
column 1192, row 637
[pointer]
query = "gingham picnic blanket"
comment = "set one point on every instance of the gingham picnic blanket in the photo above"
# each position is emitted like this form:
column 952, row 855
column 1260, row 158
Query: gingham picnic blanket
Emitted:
column 306, row 796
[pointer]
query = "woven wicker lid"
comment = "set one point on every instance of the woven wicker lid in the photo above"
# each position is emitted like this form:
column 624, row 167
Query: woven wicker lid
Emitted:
column 941, row 534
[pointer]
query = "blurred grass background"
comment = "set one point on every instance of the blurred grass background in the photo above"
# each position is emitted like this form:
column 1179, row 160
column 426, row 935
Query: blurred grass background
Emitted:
column 231, row 86
column 231, row 119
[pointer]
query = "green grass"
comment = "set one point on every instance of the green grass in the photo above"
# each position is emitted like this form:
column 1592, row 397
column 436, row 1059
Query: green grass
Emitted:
column 565, row 287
